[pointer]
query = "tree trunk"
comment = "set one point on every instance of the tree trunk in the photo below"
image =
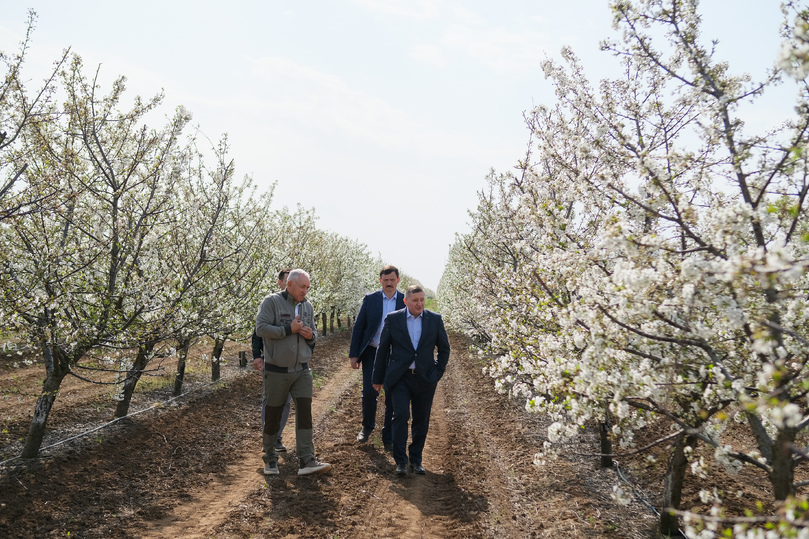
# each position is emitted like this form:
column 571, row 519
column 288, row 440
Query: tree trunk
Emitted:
column 762, row 438
column 673, row 486
column 132, row 377
column 179, row 376
column 778, row 454
column 783, row 465
column 323, row 319
column 606, row 443
column 56, row 367
column 36, row 431
column 216, row 357
column 339, row 324
column 331, row 321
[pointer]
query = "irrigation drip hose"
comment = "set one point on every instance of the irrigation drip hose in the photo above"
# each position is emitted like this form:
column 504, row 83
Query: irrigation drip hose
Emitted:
column 638, row 494
column 105, row 425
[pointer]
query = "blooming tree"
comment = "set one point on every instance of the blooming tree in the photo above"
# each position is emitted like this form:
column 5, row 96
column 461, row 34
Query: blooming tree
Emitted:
column 195, row 268
column 649, row 261
column 245, row 243
column 341, row 272
column 20, row 109
column 72, row 268
column 341, row 268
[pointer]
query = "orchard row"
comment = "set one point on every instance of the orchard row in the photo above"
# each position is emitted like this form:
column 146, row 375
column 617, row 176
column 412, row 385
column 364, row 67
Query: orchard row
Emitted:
column 131, row 241
column 648, row 262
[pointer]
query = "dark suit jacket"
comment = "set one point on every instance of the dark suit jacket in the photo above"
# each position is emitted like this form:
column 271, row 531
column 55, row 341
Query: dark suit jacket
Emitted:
column 396, row 353
column 368, row 320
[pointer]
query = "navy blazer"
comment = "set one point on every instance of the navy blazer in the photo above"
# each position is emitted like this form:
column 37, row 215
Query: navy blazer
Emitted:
column 368, row 320
column 396, row 353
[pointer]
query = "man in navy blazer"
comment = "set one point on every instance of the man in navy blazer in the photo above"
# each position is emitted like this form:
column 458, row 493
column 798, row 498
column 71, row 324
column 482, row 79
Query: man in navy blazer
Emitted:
column 408, row 368
column 364, row 342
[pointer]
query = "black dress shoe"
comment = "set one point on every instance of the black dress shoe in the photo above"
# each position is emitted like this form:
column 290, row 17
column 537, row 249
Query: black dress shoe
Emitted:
column 401, row 470
column 418, row 469
column 363, row 436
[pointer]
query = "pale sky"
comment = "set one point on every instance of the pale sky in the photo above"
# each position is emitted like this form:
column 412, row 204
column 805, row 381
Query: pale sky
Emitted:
column 383, row 115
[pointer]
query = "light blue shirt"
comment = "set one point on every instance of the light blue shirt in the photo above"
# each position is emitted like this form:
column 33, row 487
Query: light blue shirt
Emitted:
column 414, row 329
column 388, row 306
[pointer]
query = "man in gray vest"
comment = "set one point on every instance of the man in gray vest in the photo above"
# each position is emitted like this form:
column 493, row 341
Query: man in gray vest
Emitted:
column 286, row 323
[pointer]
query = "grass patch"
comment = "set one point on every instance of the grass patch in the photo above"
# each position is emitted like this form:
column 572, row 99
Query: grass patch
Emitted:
column 317, row 381
column 147, row 384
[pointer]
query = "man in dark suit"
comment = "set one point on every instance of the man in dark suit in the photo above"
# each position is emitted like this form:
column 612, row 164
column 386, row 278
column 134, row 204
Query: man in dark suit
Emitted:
column 364, row 342
column 407, row 367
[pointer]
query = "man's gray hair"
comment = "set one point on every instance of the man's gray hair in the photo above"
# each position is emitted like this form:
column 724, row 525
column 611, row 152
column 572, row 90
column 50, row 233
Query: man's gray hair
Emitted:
column 413, row 289
column 295, row 274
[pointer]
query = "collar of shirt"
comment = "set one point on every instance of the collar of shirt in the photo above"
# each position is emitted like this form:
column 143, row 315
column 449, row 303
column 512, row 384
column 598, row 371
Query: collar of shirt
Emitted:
column 392, row 298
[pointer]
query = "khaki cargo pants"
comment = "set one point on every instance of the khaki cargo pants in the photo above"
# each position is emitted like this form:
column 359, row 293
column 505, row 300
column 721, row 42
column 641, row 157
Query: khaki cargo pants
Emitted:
column 277, row 385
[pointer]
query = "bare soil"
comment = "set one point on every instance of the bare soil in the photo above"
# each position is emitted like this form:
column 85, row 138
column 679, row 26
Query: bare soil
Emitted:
column 192, row 467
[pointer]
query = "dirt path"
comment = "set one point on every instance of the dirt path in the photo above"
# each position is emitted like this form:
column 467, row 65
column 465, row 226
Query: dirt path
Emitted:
column 209, row 507
column 194, row 471
column 480, row 478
